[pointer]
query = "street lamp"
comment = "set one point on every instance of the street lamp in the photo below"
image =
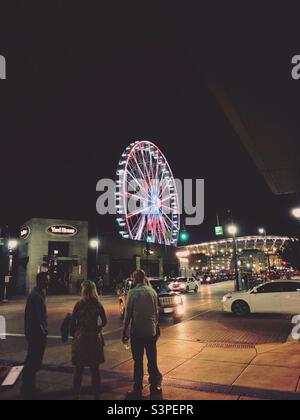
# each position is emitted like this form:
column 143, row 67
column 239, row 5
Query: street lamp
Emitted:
column 262, row 231
column 94, row 244
column 233, row 231
column 12, row 244
column 296, row 213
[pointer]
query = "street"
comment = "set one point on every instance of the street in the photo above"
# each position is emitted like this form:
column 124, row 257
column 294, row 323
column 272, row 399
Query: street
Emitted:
column 207, row 347
column 203, row 321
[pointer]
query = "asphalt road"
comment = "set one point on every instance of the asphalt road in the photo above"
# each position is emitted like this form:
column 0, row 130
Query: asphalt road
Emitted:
column 203, row 320
column 208, row 299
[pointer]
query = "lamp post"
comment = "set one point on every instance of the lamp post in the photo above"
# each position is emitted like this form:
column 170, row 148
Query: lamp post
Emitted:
column 183, row 239
column 263, row 232
column 233, row 231
column 12, row 245
column 296, row 215
column 94, row 244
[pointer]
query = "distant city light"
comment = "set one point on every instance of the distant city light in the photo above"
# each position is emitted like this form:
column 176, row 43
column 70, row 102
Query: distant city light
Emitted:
column 183, row 254
column 262, row 231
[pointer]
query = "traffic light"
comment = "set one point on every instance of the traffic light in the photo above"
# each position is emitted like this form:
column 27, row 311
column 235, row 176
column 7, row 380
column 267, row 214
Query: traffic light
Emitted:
column 184, row 236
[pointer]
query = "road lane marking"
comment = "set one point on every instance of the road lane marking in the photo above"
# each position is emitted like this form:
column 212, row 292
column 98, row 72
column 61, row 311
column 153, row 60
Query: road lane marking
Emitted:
column 199, row 314
column 58, row 337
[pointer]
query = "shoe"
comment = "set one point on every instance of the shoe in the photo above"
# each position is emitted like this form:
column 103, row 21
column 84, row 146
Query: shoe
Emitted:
column 134, row 396
column 156, row 394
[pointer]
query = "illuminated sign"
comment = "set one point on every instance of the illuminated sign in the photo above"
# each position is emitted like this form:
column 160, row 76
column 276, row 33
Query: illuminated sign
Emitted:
column 25, row 232
column 219, row 231
column 62, row 230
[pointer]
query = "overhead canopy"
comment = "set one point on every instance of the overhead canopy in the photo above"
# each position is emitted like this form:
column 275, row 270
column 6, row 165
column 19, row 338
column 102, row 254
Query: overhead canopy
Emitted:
column 267, row 138
column 244, row 55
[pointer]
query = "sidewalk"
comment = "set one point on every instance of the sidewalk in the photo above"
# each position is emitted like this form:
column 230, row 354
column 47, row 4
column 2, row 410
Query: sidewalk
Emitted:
column 192, row 371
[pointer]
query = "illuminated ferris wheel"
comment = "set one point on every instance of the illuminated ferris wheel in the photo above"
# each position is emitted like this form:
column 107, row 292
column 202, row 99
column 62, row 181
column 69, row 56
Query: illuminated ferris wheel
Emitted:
column 147, row 201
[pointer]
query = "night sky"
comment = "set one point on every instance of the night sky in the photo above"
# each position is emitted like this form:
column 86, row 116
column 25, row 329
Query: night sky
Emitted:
column 84, row 81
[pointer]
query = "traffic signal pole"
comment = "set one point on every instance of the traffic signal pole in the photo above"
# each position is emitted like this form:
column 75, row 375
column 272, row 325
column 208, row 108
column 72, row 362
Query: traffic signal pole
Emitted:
column 236, row 267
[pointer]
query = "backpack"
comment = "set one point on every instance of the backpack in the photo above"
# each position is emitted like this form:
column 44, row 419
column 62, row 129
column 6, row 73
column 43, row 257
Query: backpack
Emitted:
column 65, row 328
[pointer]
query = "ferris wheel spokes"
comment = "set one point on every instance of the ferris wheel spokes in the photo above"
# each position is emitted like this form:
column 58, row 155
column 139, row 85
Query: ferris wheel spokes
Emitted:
column 147, row 194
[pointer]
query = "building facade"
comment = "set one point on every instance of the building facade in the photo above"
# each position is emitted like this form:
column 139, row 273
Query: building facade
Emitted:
column 255, row 253
column 62, row 248
column 57, row 246
column 118, row 258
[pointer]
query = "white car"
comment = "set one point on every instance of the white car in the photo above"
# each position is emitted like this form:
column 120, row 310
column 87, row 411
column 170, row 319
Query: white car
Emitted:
column 277, row 297
column 184, row 285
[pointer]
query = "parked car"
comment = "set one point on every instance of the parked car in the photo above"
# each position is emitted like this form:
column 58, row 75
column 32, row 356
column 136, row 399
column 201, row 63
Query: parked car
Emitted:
column 184, row 285
column 169, row 302
column 209, row 279
column 276, row 297
column 223, row 277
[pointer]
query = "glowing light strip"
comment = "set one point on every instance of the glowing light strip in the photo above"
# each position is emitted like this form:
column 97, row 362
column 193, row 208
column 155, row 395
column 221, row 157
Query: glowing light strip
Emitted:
column 242, row 239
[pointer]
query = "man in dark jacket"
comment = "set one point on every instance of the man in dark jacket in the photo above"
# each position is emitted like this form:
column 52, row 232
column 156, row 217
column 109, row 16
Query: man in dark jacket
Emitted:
column 36, row 334
column 142, row 317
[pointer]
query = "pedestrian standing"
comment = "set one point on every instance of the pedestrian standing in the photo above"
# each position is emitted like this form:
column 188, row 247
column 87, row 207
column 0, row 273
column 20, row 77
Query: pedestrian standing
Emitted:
column 78, row 286
column 142, row 318
column 36, row 331
column 88, row 342
column 100, row 285
column 246, row 282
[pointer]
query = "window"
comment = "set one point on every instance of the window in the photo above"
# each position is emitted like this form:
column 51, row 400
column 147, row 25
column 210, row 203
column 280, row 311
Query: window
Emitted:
column 58, row 249
column 272, row 288
column 291, row 287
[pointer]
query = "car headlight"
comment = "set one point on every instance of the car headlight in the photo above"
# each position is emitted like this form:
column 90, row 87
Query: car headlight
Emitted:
column 178, row 300
column 226, row 298
column 180, row 310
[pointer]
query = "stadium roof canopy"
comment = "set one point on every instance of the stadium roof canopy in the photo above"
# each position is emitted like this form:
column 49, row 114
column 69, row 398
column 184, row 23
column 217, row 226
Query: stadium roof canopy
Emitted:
column 268, row 244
